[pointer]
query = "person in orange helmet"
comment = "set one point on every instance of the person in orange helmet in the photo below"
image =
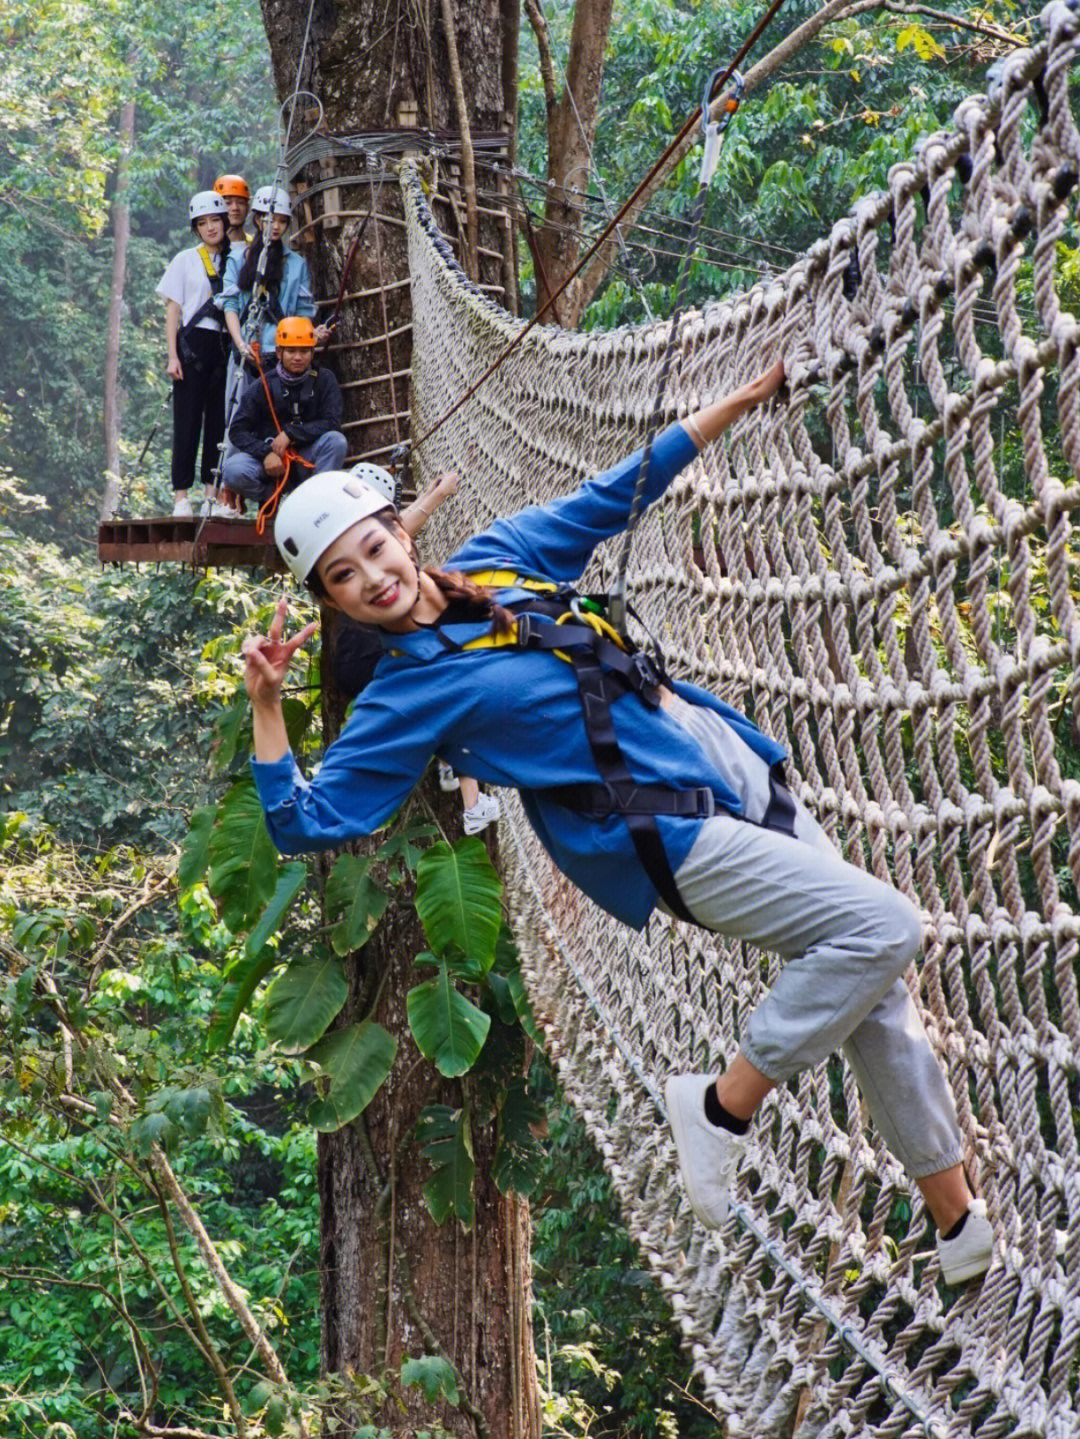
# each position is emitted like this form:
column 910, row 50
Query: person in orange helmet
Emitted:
column 233, row 189
column 301, row 418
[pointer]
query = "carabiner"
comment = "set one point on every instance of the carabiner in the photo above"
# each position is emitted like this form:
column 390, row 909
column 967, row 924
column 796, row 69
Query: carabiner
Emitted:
column 714, row 129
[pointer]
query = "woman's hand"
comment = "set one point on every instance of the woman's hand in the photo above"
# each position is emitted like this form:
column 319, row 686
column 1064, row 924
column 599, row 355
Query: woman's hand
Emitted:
column 446, row 484
column 323, row 333
column 174, row 369
column 267, row 659
column 713, row 420
column 756, row 391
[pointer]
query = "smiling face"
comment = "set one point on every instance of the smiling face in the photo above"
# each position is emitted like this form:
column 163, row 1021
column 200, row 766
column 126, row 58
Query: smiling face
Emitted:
column 210, row 229
column 369, row 573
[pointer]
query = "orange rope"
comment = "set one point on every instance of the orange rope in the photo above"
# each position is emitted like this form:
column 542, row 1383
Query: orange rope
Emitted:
column 269, row 507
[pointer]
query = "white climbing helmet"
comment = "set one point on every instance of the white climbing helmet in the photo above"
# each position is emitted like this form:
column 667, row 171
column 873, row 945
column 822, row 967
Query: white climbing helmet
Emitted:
column 316, row 513
column 272, row 199
column 206, row 202
column 378, row 479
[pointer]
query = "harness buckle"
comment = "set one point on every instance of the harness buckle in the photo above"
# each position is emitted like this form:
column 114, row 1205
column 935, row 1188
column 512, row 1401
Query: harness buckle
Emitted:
column 645, row 678
column 528, row 631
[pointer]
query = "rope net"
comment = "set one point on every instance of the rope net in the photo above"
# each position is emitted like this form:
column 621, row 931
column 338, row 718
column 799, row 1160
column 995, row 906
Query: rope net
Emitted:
column 879, row 572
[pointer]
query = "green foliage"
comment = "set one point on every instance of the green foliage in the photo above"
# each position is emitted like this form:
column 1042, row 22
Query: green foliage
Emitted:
column 302, row 1001
column 75, row 1185
column 203, row 103
column 447, row 1027
column 356, row 1061
column 609, row 1357
column 458, row 899
column 445, row 1138
column 433, row 1375
column 353, row 895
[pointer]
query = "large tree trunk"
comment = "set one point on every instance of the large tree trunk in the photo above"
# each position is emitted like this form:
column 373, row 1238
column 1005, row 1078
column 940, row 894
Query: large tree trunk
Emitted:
column 393, row 1283
column 121, row 232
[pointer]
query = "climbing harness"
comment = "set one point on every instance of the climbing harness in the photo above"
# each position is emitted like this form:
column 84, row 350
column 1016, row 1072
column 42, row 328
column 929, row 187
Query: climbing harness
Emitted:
column 269, row 506
column 575, row 628
column 207, row 311
column 714, row 131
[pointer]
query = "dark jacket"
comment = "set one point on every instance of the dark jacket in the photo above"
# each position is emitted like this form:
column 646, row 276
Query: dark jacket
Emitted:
column 307, row 409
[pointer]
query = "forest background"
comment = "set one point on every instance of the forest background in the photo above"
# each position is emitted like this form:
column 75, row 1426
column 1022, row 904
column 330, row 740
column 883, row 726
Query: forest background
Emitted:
column 119, row 721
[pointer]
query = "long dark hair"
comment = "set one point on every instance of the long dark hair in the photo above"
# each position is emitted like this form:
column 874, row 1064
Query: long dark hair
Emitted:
column 457, row 587
column 275, row 263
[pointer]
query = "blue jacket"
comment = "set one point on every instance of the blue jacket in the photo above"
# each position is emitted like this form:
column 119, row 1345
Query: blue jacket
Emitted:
column 294, row 293
column 512, row 717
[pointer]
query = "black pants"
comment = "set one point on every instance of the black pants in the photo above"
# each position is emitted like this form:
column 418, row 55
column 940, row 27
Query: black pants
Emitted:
column 199, row 405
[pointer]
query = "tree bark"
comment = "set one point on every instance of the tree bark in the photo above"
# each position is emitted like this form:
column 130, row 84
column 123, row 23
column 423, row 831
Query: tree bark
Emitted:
column 393, row 1284
column 121, row 232
column 571, row 130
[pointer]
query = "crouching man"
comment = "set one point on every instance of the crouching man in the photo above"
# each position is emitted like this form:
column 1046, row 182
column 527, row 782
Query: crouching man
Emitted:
column 291, row 423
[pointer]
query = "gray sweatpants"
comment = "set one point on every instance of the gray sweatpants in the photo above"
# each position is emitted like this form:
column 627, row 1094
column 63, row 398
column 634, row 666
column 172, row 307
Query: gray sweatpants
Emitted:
column 847, row 938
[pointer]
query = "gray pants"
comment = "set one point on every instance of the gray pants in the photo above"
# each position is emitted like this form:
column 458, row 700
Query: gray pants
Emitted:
column 847, row 939
column 244, row 474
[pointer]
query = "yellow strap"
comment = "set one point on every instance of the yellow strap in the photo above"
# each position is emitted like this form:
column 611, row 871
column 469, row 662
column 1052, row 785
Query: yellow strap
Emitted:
column 509, row 579
column 208, row 264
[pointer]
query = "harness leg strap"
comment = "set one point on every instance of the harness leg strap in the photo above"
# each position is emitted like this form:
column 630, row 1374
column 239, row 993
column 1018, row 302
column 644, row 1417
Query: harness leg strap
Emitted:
column 593, row 688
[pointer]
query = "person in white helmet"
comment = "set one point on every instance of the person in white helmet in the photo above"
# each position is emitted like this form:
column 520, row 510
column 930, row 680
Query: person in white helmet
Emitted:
column 192, row 288
column 647, row 792
column 355, row 649
column 282, row 288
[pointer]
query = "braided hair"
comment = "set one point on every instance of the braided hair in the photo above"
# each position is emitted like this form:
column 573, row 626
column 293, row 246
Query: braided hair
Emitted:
column 275, row 264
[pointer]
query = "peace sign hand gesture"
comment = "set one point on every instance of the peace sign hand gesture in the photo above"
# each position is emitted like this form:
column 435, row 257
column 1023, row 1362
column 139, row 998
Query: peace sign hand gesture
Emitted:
column 268, row 658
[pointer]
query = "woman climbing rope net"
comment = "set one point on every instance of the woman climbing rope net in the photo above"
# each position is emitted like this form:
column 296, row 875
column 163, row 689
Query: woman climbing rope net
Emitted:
column 645, row 791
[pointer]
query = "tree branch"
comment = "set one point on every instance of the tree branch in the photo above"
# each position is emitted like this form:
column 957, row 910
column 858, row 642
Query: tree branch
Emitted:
column 538, row 22
column 897, row 7
column 216, row 1361
column 468, row 166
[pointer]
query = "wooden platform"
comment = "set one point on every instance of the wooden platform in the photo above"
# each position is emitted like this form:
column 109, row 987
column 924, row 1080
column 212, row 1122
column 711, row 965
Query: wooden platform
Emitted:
column 213, row 543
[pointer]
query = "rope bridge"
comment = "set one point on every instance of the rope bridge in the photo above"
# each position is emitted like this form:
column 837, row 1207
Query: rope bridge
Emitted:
column 879, row 571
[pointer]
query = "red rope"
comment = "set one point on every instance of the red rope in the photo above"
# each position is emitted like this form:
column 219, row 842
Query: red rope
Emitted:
column 269, row 507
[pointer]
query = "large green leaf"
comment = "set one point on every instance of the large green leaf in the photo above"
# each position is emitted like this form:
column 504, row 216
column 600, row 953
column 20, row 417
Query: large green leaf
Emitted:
column 289, row 884
column 195, row 854
column 303, row 1000
column 243, row 860
column 446, row 1141
column 242, row 979
column 247, row 973
column 356, row 1060
column 447, row 1027
column 232, row 732
column 355, row 900
column 458, row 899
column 518, row 1157
column 402, row 844
column 433, row 1374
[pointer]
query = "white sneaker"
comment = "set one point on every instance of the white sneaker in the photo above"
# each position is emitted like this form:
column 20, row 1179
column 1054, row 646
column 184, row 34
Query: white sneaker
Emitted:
column 708, row 1156
column 182, row 510
column 448, row 780
column 969, row 1254
column 223, row 512
column 484, row 812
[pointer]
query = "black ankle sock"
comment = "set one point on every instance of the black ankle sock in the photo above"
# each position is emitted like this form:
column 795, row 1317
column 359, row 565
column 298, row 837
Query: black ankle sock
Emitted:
column 957, row 1227
column 716, row 1114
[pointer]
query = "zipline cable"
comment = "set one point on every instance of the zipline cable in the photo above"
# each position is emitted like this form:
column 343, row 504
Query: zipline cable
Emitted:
column 719, row 81
column 715, row 130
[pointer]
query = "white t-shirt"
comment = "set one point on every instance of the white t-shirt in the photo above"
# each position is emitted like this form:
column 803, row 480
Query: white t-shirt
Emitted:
column 185, row 280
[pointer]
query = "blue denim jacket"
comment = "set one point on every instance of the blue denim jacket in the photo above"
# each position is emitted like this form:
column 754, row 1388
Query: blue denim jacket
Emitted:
column 511, row 717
